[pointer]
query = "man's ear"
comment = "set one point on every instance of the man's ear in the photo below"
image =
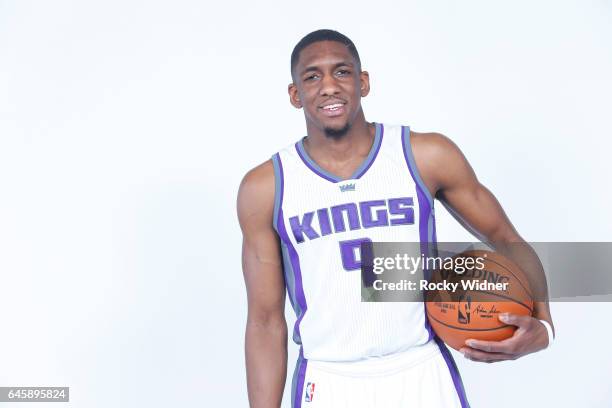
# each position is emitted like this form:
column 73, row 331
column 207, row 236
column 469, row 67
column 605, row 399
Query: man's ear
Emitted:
column 364, row 79
column 294, row 97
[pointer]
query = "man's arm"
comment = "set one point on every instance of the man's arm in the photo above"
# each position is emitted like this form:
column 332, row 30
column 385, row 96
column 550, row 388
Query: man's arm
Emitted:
column 266, row 329
column 450, row 178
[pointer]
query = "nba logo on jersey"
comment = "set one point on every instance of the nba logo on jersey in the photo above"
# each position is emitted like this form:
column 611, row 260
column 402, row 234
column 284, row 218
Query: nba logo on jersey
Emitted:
column 309, row 392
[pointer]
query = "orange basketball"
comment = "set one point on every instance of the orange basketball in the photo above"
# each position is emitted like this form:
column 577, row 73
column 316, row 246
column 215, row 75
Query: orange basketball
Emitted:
column 495, row 285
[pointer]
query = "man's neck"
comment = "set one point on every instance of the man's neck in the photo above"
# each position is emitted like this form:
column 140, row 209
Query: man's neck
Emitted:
column 356, row 142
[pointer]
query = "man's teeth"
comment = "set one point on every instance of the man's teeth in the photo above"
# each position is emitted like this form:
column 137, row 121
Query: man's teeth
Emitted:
column 333, row 107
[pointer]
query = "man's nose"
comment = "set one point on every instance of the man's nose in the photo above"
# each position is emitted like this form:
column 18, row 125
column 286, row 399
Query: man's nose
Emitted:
column 329, row 85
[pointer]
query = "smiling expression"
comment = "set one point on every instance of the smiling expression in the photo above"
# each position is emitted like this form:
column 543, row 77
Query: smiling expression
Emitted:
column 329, row 85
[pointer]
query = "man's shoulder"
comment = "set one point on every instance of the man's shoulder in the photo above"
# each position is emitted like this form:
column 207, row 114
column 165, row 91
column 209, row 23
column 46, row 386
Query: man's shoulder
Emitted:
column 431, row 145
column 256, row 197
column 429, row 138
column 259, row 179
column 435, row 155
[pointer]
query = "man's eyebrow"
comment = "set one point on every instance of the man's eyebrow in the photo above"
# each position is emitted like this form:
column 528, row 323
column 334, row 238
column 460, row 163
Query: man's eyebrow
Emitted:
column 337, row 65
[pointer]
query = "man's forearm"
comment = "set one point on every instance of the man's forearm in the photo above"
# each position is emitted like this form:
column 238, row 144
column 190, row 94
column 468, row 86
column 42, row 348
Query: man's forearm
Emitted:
column 266, row 362
column 527, row 259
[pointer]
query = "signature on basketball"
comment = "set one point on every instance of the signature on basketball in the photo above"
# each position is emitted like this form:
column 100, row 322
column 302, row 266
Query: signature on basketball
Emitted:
column 482, row 311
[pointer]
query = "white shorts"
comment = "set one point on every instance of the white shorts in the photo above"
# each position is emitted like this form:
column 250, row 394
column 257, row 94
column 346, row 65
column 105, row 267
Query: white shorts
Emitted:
column 424, row 376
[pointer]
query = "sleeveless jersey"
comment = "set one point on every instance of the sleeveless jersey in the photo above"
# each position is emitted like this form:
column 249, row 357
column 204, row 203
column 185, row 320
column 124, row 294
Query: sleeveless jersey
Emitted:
column 321, row 221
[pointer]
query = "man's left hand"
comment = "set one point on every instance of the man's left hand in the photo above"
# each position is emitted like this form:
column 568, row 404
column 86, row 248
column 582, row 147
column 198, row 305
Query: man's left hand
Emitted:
column 530, row 336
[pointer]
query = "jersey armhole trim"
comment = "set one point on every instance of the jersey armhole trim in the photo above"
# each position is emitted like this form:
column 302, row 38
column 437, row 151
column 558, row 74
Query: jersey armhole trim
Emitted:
column 414, row 172
column 278, row 188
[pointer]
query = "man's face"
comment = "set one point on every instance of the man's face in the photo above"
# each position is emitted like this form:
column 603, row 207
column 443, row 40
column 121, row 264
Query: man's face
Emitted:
column 328, row 85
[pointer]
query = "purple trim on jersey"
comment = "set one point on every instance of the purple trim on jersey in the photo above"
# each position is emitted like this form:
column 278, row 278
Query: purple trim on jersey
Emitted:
column 425, row 209
column 361, row 170
column 380, row 131
column 295, row 266
column 289, row 276
column 424, row 218
column 433, row 229
column 299, row 376
column 278, row 187
column 278, row 202
column 454, row 372
column 312, row 165
column 414, row 172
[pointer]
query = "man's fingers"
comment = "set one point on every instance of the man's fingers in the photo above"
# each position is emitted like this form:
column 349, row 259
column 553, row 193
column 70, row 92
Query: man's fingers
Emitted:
column 482, row 356
column 515, row 320
column 504, row 346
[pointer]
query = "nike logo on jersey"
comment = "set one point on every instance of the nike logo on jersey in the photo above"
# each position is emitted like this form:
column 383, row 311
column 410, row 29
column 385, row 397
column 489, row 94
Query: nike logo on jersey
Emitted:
column 365, row 214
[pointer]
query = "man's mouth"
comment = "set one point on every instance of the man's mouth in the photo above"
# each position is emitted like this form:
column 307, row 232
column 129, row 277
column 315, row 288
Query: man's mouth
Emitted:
column 333, row 109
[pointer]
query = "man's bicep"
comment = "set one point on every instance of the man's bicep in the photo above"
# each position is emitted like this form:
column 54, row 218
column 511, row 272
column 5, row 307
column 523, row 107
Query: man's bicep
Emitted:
column 479, row 211
column 468, row 200
column 262, row 269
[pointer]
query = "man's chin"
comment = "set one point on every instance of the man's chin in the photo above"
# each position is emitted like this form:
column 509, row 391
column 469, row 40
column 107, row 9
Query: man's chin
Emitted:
column 337, row 132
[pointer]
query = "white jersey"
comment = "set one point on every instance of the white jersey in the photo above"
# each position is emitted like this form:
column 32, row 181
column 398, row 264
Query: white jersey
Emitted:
column 321, row 221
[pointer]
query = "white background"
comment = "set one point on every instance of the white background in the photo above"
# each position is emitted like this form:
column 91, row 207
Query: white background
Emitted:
column 126, row 127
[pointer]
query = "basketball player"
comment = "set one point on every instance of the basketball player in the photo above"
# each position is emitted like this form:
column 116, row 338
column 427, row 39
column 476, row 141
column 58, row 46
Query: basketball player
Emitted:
column 304, row 212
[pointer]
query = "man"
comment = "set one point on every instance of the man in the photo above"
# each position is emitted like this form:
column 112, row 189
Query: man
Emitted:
column 305, row 212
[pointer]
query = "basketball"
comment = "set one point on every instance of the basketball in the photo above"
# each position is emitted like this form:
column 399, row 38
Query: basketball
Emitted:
column 493, row 284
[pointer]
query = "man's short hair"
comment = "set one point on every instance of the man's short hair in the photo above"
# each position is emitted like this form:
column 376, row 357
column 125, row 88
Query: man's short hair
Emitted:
column 323, row 35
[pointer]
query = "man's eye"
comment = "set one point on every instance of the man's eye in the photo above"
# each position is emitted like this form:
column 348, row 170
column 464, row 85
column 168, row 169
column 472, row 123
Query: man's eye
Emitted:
column 308, row 78
column 343, row 72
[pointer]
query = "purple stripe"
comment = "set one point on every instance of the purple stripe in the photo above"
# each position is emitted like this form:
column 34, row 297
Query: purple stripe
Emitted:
column 454, row 372
column 424, row 216
column 286, row 271
column 282, row 180
column 295, row 264
column 371, row 159
column 311, row 167
column 413, row 174
column 301, row 376
column 279, row 186
column 424, row 213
